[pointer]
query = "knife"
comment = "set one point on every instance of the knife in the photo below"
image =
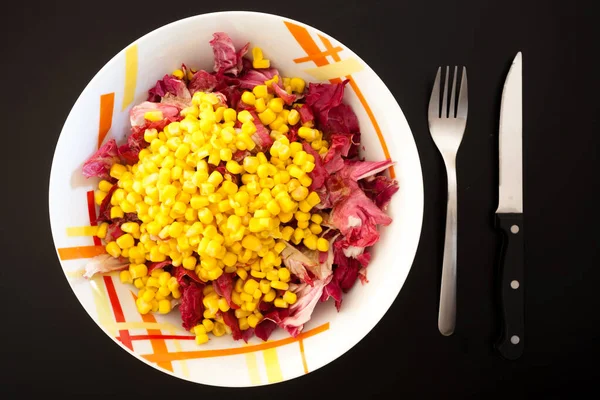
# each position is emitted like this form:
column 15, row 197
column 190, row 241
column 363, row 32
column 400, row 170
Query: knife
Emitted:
column 509, row 215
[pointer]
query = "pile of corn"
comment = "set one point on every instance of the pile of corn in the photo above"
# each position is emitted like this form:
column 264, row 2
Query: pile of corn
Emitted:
column 206, row 222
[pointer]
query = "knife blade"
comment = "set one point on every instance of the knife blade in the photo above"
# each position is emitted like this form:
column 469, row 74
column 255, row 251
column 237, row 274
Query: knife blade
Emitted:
column 509, row 215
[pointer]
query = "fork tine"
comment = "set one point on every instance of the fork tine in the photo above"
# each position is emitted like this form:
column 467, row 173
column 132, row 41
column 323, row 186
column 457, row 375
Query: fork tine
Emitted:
column 434, row 100
column 463, row 96
column 452, row 112
column 445, row 96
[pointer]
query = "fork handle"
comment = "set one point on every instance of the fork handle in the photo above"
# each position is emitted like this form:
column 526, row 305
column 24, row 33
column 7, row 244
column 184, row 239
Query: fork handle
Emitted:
column 447, row 311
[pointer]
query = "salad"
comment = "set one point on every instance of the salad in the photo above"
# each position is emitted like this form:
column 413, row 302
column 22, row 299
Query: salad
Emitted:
column 239, row 198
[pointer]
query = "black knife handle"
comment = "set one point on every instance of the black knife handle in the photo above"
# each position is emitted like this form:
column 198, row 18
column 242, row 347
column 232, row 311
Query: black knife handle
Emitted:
column 511, row 268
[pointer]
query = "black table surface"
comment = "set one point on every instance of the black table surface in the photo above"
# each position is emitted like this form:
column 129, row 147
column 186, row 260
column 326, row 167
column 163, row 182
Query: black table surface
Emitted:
column 49, row 344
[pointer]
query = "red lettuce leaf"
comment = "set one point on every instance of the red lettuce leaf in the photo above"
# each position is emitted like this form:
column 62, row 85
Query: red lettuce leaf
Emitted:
column 232, row 322
column 100, row 162
column 306, row 114
column 341, row 119
column 157, row 265
column 136, row 114
column 334, row 290
column 319, row 174
column 202, row 81
column 289, row 99
column 255, row 77
column 104, row 263
column 224, row 287
column 380, row 189
column 227, row 60
column 181, row 273
column 261, row 137
column 168, row 84
column 191, row 307
column 357, row 217
column 322, row 97
column 340, row 146
column 114, row 231
column 293, row 134
column 346, row 271
column 264, row 329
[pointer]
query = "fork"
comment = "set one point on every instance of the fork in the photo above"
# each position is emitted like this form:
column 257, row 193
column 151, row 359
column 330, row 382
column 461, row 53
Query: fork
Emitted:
column 447, row 129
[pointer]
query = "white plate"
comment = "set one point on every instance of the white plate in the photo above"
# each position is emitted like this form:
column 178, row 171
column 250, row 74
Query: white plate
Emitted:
column 123, row 82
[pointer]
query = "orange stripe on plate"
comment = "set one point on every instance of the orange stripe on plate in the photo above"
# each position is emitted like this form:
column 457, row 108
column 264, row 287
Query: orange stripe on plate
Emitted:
column 74, row 253
column 320, row 54
column 364, row 103
column 158, row 345
column 187, row 355
column 309, row 45
column 301, row 343
column 107, row 102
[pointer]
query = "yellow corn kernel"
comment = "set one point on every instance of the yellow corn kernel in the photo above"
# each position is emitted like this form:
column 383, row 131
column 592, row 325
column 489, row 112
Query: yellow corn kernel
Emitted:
column 322, row 244
column 244, row 116
column 246, row 297
column 138, row 270
column 113, row 249
column 219, row 329
column 270, row 295
column 253, row 320
column 148, row 295
column 116, row 212
column 260, row 91
column 125, row 276
column 207, row 324
column 99, row 197
column 293, row 117
column 304, row 206
column 189, row 262
column 257, row 274
column 316, row 229
column 215, row 273
column 287, row 232
column 250, row 306
column 258, row 64
column 229, row 115
column 243, row 323
column 250, row 286
column 272, row 275
column 280, row 303
column 201, row 339
column 260, row 105
column 313, row 199
column 276, row 105
column 105, row 185
column 138, row 283
column 102, row 230
column 251, row 242
column 305, row 180
column 249, row 98
column 223, row 305
column 264, row 286
column 290, row 297
column 142, row 306
column 310, row 242
column 297, row 85
column 279, row 285
column 117, row 170
column 267, row 116
column 283, row 274
column 199, row 330
column 125, row 241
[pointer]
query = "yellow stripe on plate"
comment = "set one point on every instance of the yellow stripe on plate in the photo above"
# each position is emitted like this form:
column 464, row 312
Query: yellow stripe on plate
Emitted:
column 172, row 329
column 253, row 368
column 102, row 304
column 82, row 231
column 184, row 367
column 272, row 364
column 131, row 69
column 335, row 70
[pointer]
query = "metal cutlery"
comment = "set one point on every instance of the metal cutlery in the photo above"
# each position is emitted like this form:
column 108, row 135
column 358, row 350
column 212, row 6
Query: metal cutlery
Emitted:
column 509, row 215
column 447, row 127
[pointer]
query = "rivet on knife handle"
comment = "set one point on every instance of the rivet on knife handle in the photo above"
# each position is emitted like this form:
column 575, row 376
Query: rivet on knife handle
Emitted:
column 512, row 288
